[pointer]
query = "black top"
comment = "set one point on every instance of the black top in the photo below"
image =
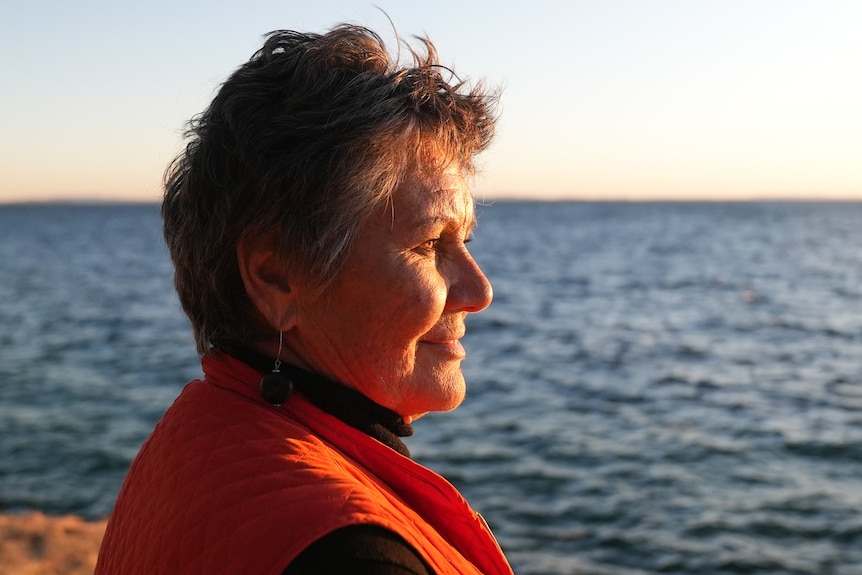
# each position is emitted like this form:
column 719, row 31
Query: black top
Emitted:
column 356, row 549
column 359, row 549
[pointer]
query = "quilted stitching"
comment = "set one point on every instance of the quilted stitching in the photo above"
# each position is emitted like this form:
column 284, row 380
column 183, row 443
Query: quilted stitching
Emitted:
column 228, row 477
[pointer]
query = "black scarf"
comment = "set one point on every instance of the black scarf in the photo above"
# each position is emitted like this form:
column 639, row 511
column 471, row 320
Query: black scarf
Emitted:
column 338, row 400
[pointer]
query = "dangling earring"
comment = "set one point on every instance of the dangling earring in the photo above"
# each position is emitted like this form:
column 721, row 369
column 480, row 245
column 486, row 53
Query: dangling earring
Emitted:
column 276, row 387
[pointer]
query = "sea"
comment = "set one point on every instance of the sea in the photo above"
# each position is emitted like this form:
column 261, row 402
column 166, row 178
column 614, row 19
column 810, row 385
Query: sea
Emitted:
column 656, row 388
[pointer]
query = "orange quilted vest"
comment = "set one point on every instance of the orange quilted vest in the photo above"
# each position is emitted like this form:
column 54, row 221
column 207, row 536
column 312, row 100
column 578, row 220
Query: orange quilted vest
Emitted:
column 227, row 483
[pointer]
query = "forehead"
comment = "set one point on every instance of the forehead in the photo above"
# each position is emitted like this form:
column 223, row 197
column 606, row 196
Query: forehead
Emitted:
column 439, row 198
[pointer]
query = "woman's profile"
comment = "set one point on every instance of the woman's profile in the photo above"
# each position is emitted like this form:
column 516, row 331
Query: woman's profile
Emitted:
column 318, row 222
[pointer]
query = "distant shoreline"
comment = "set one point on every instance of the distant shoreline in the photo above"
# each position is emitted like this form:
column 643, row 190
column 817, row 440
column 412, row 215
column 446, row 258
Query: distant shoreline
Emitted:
column 479, row 199
column 82, row 203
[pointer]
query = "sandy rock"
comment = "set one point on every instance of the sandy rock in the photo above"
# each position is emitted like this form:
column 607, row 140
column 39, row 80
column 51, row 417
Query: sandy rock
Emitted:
column 36, row 544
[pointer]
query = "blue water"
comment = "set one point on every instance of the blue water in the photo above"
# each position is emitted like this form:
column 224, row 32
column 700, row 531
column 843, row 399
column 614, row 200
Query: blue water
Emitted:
column 657, row 388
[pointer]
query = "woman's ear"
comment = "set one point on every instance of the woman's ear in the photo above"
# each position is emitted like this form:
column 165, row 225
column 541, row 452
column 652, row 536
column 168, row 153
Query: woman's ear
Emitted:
column 266, row 281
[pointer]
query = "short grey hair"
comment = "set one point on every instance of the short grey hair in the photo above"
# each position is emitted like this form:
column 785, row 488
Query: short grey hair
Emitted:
column 301, row 144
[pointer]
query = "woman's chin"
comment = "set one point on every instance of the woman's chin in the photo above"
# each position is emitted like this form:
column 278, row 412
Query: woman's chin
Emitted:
column 449, row 395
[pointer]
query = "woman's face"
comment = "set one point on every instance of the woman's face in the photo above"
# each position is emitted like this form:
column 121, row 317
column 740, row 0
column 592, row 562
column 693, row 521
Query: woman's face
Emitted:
column 390, row 324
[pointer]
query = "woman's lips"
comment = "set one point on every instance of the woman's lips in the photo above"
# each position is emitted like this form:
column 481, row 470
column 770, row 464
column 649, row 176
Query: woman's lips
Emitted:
column 451, row 347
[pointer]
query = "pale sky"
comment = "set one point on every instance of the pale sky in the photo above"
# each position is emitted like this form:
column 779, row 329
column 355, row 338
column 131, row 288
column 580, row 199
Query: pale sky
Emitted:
column 602, row 99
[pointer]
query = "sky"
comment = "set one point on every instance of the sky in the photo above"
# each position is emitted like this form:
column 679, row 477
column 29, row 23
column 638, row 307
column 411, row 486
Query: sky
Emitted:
column 601, row 99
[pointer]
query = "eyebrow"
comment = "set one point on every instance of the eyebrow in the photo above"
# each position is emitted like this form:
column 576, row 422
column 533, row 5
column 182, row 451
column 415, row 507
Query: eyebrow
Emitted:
column 444, row 220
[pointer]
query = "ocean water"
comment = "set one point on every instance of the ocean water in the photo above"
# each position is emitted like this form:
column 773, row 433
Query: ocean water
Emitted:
column 657, row 388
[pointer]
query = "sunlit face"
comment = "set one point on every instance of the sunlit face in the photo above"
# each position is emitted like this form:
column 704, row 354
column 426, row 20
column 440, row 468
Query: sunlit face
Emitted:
column 390, row 324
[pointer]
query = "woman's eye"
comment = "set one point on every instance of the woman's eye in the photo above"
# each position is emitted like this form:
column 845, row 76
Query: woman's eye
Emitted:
column 442, row 243
column 431, row 244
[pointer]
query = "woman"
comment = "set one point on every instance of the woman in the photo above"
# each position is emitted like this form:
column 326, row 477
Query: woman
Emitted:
column 318, row 222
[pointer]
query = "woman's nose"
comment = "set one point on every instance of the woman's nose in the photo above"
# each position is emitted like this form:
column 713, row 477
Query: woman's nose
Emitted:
column 469, row 290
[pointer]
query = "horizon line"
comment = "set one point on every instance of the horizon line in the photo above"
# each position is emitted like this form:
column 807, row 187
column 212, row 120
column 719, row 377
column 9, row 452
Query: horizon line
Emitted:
column 487, row 201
